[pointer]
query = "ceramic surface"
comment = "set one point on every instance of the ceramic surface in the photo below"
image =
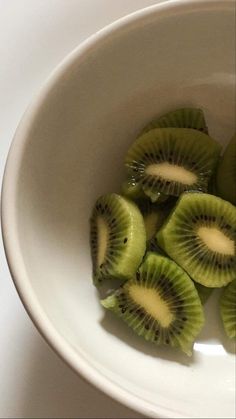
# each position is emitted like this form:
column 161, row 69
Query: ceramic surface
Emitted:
column 69, row 149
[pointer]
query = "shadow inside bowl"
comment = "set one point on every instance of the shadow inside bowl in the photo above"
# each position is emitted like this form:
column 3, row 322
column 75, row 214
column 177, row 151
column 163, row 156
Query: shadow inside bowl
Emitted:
column 211, row 335
column 116, row 327
column 213, row 331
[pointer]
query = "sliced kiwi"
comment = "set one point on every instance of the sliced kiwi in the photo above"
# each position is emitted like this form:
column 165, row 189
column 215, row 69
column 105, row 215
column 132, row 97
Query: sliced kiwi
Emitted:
column 180, row 118
column 160, row 303
column 152, row 246
column 228, row 309
column 212, row 188
column 154, row 216
column 226, row 173
column 172, row 160
column 153, row 195
column 203, row 292
column 132, row 190
column 200, row 235
column 118, row 238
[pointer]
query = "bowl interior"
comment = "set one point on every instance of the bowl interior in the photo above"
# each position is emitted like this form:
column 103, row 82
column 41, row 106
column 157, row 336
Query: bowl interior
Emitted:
column 75, row 141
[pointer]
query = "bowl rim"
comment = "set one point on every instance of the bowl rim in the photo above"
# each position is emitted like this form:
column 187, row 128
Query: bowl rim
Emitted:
column 8, row 205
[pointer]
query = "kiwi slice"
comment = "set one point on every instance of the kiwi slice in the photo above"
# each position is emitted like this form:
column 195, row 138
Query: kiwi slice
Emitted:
column 180, row 118
column 212, row 188
column 203, row 292
column 200, row 235
column 228, row 309
column 153, row 195
column 172, row 160
column 132, row 189
column 154, row 215
column 160, row 303
column 152, row 246
column 118, row 238
column 226, row 173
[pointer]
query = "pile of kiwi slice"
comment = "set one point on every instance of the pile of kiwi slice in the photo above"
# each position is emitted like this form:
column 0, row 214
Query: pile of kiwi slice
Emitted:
column 169, row 236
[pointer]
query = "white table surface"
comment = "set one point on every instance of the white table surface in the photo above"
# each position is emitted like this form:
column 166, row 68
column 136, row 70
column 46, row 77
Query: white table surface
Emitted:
column 35, row 35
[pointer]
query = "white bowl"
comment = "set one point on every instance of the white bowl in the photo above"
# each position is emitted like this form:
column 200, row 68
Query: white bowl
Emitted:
column 69, row 149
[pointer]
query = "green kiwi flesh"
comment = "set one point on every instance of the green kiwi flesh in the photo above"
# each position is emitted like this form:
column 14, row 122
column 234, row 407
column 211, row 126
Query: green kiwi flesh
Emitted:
column 200, row 235
column 117, row 236
column 228, row 309
column 154, row 216
column 212, row 188
column 153, row 195
column 160, row 303
column 172, row 160
column 132, row 190
column 180, row 118
column 226, row 173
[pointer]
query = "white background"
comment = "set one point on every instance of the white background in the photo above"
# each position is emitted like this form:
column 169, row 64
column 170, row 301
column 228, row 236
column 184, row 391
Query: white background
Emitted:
column 35, row 35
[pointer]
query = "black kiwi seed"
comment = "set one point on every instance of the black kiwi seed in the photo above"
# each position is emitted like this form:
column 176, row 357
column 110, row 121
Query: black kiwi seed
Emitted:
column 207, row 266
column 204, row 149
column 113, row 219
column 152, row 326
